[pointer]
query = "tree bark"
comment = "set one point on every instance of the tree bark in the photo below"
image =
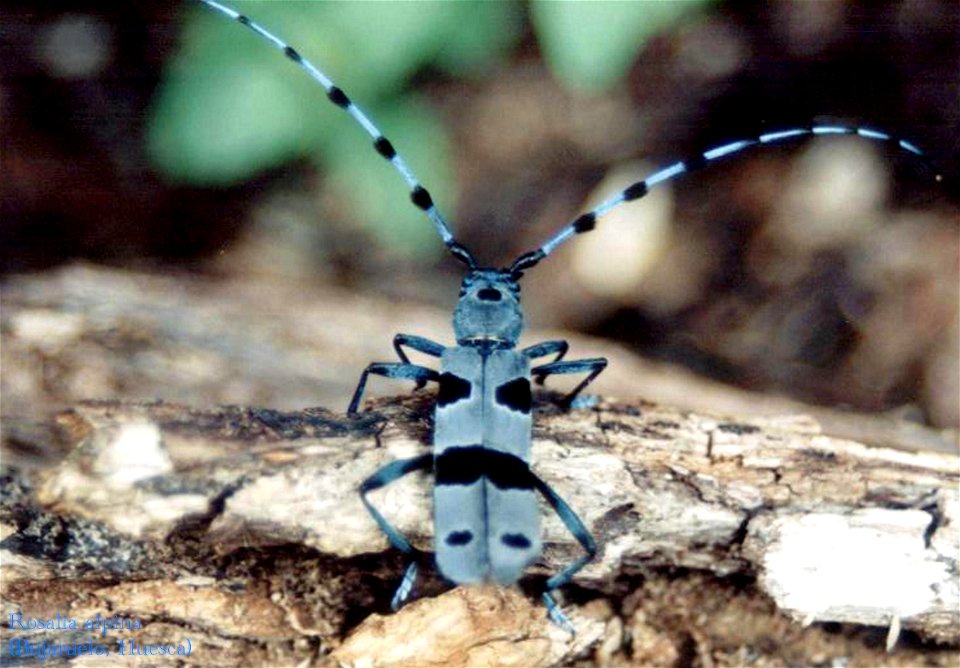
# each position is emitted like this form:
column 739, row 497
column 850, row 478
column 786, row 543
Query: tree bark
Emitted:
column 241, row 530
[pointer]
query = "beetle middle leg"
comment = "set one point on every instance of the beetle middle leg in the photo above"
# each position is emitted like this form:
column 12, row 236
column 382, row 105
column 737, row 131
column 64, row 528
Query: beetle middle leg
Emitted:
column 580, row 532
column 591, row 366
column 544, row 348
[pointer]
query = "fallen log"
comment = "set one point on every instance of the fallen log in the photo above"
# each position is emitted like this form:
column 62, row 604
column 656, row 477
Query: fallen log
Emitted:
column 240, row 530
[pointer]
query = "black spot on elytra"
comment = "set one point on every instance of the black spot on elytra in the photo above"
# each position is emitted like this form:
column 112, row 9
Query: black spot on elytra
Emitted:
column 452, row 389
column 457, row 538
column 515, row 395
column 292, row 54
column 459, row 466
column 515, row 540
column 243, row 19
column 507, row 471
column 466, row 465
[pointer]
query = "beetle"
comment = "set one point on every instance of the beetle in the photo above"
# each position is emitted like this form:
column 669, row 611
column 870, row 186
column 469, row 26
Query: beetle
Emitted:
column 487, row 524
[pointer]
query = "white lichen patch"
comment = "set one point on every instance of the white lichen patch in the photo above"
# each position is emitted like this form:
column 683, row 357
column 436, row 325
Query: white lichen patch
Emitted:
column 866, row 566
column 134, row 454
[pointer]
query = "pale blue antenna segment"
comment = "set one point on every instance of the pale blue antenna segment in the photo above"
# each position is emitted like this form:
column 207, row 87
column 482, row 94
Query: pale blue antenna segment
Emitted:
column 780, row 136
column 832, row 130
column 561, row 236
column 727, row 149
column 873, row 134
column 666, row 174
column 907, row 146
column 609, row 204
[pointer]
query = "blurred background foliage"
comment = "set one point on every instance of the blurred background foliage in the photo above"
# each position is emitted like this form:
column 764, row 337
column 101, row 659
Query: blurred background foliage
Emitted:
column 590, row 46
column 228, row 109
column 157, row 135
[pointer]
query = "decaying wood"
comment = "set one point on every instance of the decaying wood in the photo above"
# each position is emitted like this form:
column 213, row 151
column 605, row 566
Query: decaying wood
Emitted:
column 242, row 529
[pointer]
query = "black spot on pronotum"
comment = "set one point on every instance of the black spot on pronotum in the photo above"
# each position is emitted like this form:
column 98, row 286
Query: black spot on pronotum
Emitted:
column 452, row 389
column 421, row 198
column 515, row 540
column 292, row 54
column 585, row 223
column 636, row 191
column 338, row 97
column 515, row 395
column 384, row 148
column 489, row 295
column 243, row 19
column 457, row 538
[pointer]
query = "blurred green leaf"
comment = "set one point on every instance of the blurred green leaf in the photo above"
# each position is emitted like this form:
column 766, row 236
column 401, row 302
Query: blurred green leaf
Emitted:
column 231, row 106
column 480, row 35
column 591, row 45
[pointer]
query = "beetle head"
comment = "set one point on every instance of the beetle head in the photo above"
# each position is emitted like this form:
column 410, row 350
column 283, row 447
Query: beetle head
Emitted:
column 489, row 309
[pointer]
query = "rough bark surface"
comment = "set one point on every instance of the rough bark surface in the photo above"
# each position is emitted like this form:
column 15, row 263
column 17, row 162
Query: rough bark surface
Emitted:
column 241, row 529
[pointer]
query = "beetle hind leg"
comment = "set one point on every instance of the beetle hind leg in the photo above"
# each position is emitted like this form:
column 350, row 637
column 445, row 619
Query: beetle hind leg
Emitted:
column 556, row 614
column 405, row 588
column 383, row 477
column 576, row 527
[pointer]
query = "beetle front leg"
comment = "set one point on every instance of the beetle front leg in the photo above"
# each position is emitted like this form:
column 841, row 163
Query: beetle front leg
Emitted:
column 420, row 344
column 408, row 371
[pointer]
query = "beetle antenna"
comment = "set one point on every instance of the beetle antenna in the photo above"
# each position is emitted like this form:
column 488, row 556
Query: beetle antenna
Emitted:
column 419, row 195
column 587, row 221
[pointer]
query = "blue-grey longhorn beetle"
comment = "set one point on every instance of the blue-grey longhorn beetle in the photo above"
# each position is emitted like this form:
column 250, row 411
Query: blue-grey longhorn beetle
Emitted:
column 485, row 507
